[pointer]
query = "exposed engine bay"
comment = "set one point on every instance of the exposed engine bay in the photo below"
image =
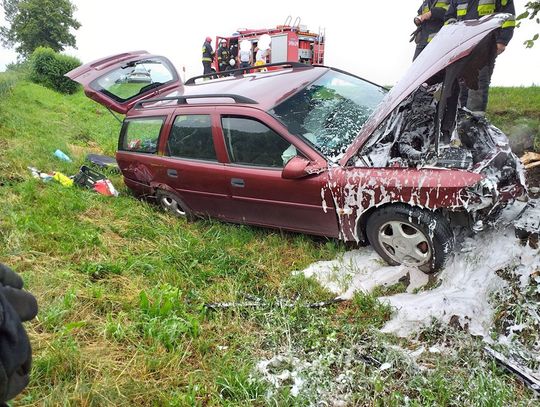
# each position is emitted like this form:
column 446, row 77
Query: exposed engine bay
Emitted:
column 409, row 137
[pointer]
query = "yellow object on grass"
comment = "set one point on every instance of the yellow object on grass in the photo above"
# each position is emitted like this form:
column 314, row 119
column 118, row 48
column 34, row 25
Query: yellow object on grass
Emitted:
column 63, row 179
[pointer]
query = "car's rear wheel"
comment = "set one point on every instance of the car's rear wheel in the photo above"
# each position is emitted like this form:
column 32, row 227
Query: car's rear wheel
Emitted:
column 411, row 236
column 172, row 204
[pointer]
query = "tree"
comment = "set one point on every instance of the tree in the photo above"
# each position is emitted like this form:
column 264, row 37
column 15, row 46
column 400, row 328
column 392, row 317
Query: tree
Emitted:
column 38, row 23
column 532, row 8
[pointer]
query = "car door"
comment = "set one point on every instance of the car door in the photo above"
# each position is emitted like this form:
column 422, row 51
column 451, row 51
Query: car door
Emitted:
column 189, row 162
column 259, row 194
column 120, row 81
column 138, row 156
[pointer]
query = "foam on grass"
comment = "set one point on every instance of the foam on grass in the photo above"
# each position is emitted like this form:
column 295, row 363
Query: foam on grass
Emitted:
column 462, row 290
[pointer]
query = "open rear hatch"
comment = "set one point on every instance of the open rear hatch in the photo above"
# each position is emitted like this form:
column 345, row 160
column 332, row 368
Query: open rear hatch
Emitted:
column 120, row 81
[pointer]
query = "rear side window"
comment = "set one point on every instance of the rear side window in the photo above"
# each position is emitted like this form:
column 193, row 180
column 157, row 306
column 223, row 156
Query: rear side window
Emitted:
column 141, row 135
column 191, row 137
column 250, row 142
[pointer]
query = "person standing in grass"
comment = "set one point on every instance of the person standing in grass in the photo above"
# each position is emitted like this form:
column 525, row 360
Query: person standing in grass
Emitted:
column 476, row 100
column 429, row 21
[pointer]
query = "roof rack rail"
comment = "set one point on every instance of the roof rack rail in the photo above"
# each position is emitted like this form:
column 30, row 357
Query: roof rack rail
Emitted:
column 182, row 100
column 240, row 71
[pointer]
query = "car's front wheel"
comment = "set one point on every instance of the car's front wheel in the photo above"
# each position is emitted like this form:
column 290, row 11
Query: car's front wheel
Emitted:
column 411, row 236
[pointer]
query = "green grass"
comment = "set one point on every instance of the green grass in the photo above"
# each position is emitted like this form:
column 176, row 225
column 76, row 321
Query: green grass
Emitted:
column 516, row 111
column 121, row 288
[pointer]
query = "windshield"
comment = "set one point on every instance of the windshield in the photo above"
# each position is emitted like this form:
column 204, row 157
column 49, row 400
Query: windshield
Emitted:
column 330, row 112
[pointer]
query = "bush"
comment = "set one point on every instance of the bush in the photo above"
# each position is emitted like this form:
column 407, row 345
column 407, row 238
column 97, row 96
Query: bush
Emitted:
column 49, row 68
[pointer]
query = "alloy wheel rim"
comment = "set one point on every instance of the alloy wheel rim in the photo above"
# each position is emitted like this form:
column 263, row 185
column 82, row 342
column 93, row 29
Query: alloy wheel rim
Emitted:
column 405, row 243
column 172, row 205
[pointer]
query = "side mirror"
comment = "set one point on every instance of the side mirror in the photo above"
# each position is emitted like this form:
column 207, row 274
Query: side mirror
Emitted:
column 295, row 168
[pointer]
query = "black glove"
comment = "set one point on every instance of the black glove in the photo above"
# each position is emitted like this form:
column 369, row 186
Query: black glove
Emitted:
column 16, row 306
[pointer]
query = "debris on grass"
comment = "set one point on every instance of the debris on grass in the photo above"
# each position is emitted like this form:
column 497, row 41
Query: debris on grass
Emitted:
column 521, row 372
column 62, row 156
column 104, row 162
column 280, row 303
column 85, row 178
column 530, row 159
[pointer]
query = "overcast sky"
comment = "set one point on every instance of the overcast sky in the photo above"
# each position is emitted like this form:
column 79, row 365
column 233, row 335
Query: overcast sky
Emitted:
column 369, row 39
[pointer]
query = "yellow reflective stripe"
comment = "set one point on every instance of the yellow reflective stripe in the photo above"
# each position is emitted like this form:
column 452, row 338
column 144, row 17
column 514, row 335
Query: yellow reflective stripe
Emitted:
column 442, row 4
column 504, row 3
column 461, row 9
column 461, row 13
column 509, row 23
column 486, row 7
column 207, row 59
column 425, row 10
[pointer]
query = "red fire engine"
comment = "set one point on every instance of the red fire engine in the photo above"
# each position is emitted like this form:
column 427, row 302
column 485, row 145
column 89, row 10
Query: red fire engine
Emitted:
column 290, row 43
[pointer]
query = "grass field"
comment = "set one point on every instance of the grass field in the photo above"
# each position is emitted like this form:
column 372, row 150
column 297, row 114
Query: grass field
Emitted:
column 516, row 111
column 122, row 287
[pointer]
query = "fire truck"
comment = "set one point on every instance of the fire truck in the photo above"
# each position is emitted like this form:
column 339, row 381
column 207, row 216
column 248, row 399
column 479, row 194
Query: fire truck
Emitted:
column 290, row 43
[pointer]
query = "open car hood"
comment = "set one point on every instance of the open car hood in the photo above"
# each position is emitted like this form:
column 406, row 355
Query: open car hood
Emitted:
column 451, row 44
column 119, row 81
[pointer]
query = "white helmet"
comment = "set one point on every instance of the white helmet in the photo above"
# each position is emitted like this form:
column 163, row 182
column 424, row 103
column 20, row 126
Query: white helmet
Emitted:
column 232, row 62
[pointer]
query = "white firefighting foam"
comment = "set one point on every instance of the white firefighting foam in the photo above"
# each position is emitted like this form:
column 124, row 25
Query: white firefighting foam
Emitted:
column 463, row 288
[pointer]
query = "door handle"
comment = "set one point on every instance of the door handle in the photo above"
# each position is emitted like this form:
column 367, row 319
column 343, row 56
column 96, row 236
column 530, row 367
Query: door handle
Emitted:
column 238, row 182
column 172, row 173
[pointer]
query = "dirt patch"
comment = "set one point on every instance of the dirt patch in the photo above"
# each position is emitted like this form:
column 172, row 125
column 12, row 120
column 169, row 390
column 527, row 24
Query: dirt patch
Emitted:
column 81, row 151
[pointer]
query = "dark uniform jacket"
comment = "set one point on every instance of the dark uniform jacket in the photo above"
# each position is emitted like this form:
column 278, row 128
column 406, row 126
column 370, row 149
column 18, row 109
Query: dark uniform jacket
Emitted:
column 430, row 27
column 223, row 54
column 207, row 53
column 474, row 9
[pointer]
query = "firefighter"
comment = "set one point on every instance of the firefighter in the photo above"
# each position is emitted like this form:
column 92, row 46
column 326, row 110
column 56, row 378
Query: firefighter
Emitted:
column 476, row 100
column 207, row 56
column 16, row 306
column 429, row 21
column 223, row 55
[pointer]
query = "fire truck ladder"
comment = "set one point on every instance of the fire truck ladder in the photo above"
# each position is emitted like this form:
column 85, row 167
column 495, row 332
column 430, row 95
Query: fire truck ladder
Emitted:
column 288, row 20
column 322, row 39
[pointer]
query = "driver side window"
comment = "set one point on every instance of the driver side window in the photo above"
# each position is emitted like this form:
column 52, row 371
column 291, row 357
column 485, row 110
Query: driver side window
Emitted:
column 250, row 142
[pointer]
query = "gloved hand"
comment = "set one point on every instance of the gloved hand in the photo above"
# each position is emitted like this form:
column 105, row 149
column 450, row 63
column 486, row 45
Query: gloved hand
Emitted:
column 16, row 306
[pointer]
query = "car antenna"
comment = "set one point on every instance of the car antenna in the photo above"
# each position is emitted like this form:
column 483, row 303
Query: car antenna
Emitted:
column 115, row 116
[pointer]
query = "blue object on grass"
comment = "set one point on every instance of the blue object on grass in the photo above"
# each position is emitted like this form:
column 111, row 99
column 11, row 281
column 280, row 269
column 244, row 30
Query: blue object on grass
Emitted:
column 60, row 154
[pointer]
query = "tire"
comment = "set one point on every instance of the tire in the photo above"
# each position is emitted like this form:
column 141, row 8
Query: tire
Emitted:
column 411, row 236
column 172, row 204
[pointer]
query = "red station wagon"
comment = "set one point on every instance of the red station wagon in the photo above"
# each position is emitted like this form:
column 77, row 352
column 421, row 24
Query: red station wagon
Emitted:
column 317, row 150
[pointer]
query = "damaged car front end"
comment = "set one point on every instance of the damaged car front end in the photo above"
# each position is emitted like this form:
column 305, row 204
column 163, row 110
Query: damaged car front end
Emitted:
column 420, row 165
